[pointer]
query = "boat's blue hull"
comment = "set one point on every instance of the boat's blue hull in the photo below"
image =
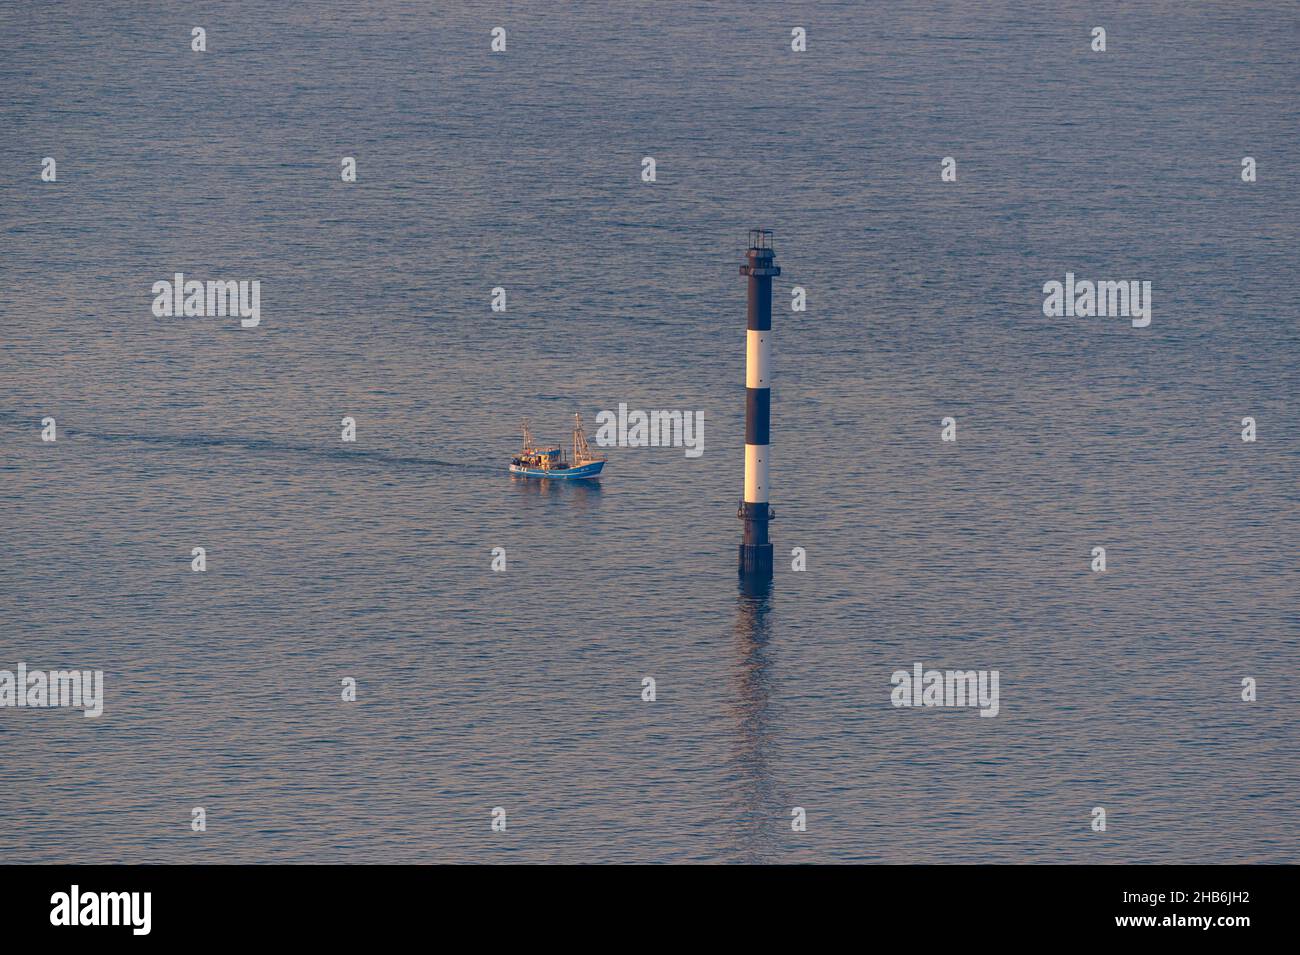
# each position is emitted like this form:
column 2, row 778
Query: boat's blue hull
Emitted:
column 586, row 471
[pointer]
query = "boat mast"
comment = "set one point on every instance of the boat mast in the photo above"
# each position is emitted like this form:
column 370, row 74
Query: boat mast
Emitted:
column 581, row 452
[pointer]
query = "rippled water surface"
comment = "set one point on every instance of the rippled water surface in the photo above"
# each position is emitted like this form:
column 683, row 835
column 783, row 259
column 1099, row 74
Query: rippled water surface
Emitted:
column 522, row 689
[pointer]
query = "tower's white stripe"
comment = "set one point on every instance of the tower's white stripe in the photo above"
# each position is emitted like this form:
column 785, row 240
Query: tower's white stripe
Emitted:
column 758, row 359
column 756, row 463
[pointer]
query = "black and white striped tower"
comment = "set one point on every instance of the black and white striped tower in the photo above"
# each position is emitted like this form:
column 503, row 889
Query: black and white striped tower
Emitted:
column 755, row 549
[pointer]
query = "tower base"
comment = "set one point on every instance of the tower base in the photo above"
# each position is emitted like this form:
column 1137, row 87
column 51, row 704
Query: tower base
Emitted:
column 755, row 560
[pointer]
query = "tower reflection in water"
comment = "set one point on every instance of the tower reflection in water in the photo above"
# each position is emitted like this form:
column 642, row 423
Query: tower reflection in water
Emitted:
column 761, row 806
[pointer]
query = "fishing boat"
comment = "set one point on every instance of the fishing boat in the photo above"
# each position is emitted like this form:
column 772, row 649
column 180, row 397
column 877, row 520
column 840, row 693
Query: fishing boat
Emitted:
column 535, row 461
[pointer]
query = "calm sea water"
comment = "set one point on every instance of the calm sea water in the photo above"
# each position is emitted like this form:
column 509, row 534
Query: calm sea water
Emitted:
column 522, row 689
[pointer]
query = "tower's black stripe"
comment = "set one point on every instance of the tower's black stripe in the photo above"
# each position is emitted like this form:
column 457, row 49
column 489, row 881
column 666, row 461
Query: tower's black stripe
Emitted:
column 758, row 414
column 760, row 303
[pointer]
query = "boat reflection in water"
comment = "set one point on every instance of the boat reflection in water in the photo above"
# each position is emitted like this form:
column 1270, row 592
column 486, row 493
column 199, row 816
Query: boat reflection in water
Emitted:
column 579, row 491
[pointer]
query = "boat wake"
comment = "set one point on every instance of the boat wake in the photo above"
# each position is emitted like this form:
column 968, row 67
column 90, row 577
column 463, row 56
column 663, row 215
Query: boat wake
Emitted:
column 350, row 453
